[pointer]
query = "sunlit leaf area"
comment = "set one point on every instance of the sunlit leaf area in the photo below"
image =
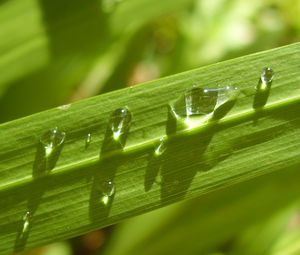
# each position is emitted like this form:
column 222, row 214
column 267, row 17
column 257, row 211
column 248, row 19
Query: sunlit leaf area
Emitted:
column 149, row 127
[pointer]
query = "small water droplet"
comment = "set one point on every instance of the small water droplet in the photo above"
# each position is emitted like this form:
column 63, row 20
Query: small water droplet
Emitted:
column 51, row 140
column 26, row 223
column 266, row 77
column 88, row 140
column 120, row 122
column 108, row 190
column 263, row 88
column 161, row 148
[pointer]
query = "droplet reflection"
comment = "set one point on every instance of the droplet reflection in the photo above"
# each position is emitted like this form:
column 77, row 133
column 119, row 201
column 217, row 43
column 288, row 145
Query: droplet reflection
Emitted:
column 26, row 223
column 88, row 140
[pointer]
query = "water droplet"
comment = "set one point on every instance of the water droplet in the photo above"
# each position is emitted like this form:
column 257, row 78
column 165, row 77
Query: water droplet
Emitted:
column 26, row 223
column 227, row 98
column 88, row 140
column 51, row 140
column 120, row 122
column 109, row 6
column 226, row 94
column 267, row 76
column 263, row 88
column 203, row 101
column 266, row 79
column 161, row 148
column 108, row 190
column 199, row 101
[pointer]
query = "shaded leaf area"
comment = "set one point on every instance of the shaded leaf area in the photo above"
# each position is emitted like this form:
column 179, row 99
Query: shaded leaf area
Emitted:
column 229, row 220
column 69, row 37
column 66, row 200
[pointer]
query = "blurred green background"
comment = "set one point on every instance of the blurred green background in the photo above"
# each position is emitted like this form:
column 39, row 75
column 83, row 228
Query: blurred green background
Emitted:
column 54, row 52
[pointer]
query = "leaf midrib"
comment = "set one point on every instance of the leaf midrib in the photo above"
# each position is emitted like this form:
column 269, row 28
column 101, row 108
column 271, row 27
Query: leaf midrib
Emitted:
column 230, row 119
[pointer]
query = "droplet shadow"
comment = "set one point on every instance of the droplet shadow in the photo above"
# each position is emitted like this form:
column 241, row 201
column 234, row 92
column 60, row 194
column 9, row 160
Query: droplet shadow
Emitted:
column 100, row 203
column 259, row 101
column 177, row 168
column 262, row 93
column 111, row 157
column 176, row 159
column 42, row 166
column 261, row 98
column 36, row 190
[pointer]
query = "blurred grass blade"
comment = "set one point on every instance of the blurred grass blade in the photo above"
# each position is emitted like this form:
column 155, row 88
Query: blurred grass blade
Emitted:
column 233, row 219
column 289, row 242
column 49, row 48
column 260, row 238
column 64, row 195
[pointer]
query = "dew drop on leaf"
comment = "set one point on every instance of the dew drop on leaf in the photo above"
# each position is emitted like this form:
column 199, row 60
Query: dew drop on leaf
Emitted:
column 52, row 140
column 267, row 75
column 161, row 148
column 120, row 122
column 202, row 101
column 263, row 88
column 199, row 101
column 227, row 97
column 108, row 190
column 226, row 94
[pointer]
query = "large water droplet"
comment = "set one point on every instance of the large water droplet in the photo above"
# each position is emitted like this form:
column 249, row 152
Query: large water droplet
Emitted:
column 227, row 98
column 52, row 140
column 120, row 122
column 88, row 140
column 199, row 101
column 226, row 94
column 202, row 101
column 161, row 148
column 266, row 77
column 26, row 223
column 108, row 190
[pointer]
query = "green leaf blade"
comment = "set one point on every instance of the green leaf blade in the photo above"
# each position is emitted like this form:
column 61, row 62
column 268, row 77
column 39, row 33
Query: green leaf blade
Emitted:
column 240, row 147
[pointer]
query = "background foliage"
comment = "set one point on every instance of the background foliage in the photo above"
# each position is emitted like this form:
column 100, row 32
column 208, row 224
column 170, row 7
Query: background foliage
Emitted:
column 55, row 52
